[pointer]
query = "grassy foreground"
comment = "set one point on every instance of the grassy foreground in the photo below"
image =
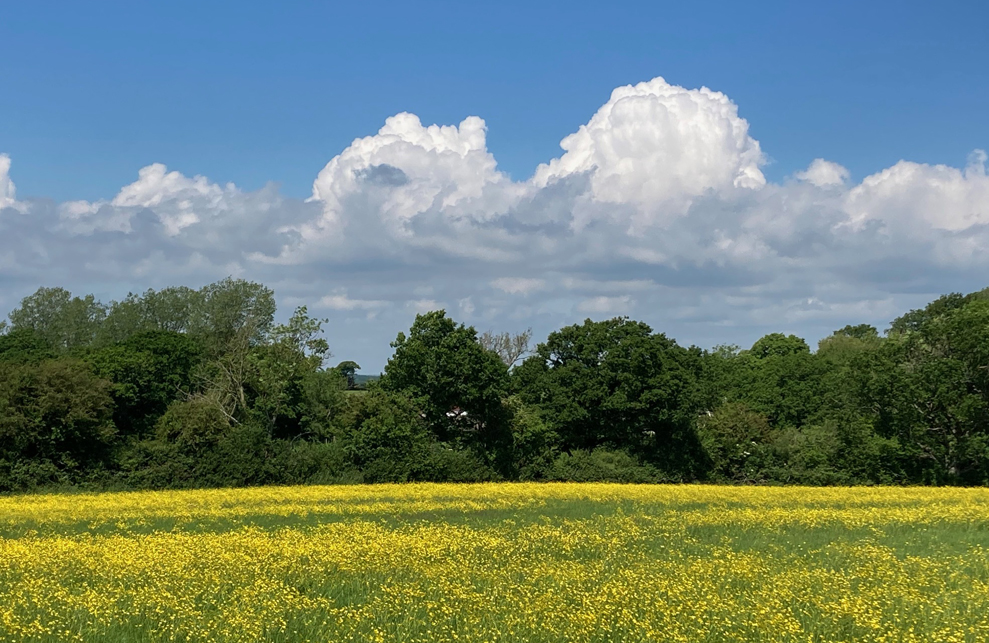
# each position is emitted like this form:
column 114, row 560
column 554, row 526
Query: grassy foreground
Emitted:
column 497, row 562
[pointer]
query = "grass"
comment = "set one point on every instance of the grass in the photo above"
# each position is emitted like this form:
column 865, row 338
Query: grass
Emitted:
column 497, row 562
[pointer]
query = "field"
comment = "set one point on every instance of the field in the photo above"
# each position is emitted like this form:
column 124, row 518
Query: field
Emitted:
column 497, row 562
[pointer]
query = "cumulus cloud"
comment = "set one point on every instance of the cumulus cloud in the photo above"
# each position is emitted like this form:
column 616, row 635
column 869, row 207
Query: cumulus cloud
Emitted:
column 657, row 146
column 7, row 191
column 340, row 301
column 518, row 285
column 656, row 207
column 381, row 184
column 918, row 197
column 606, row 305
column 177, row 202
column 823, row 173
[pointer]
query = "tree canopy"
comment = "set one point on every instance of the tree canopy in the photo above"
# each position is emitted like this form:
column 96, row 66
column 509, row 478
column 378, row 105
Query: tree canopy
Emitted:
column 185, row 387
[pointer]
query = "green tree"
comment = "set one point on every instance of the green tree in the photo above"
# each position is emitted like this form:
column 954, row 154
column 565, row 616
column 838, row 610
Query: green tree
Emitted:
column 616, row 384
column 736, row 440
column 194, row 425
column 780, row 378
column 387, row 438
column 778, row 345
column 458, row 384
column 232, row 313
column 535, row 444
column 63, row 321
column 149, row 371
column 348, row 370
column 55, row 422
column 168, row 310
column 929, row 389
column 24, row 345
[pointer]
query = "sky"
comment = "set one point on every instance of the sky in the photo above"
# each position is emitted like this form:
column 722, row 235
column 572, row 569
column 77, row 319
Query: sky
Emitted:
column 718, row 170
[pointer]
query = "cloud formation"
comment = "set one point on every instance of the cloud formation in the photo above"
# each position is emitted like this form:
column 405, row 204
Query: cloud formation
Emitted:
column 7, row 191
column 658, row 146
column 823, row 173
column 657, row 207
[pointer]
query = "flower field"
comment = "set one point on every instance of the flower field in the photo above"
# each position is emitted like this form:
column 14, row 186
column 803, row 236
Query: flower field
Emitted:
column 497, row 562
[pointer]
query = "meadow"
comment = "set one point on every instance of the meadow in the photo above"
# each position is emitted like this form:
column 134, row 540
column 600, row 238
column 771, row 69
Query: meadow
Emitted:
column 497, row 562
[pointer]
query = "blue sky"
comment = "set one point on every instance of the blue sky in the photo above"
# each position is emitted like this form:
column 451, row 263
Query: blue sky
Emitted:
column 711, row 224
column 252, row 92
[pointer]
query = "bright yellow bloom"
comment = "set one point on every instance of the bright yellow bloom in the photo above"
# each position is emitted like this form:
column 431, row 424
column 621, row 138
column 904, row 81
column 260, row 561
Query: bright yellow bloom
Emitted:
column 497, row 562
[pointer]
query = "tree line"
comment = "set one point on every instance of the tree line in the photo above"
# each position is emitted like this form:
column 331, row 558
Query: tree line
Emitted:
column 194, row 388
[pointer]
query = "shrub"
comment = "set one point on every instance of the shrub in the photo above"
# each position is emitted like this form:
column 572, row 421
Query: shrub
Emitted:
column 601, row 465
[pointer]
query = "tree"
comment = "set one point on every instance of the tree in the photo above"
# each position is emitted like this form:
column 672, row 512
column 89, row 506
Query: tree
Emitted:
column 780, row 378
column 458, row 384
column 63, row 321
column 193, row 425
column 24, row 345
column 387, row 437
column 149, row 371
column 232, row 313
column 615, row 384
column 171, row 309
column 55, row 422
column 916, row 319
column 348, row 370
column 263, row 381
column 281, row 371
column 509, row 347
column 535, row 443
column 929, row 389
column 778, row 345
column 735, row 438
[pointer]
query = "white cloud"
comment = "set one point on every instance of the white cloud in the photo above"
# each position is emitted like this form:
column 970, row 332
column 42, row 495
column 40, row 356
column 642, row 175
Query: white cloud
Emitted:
column 657, row 146
column 176, row 200
column 340, row 301
column 7, row 191
column 404, row 171
column 518, row 285
column 657, row 206
column 423, row 305
column 606, row 305
column 915, row 197
column 823, row 173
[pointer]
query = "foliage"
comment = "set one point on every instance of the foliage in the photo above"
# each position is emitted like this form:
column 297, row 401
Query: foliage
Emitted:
column 187, row 387
column 149, row 371
column 63, row 321
column 736, row 440
column 348, row 370
column 615, row 384
column 24, row 345
column 601, row 465
column 929, row 387
column 55, row 423
column 458, row 385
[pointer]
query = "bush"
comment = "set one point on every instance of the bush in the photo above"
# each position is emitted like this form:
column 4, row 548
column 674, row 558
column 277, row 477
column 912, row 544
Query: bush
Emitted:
column 735, row 439
column 193, row 425
column 300, row 462
column 386, row 437
column 805, row 456
column 446, row 464
column 55, row 423
column 535, row 443
column 601, row 465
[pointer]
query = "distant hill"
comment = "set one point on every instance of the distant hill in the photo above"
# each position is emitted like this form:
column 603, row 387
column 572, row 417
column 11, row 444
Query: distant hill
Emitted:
column 362, row 380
